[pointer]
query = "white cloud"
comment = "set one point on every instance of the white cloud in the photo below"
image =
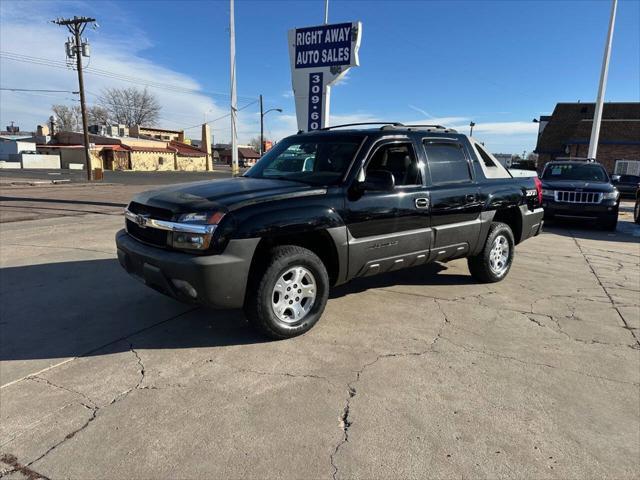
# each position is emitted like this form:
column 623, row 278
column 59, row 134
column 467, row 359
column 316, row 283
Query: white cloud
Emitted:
column 30, row 33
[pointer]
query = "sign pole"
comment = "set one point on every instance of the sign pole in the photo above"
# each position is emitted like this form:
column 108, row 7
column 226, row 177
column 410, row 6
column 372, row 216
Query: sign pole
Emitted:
column 597, row 115
column 326, row 12
column 234, row 101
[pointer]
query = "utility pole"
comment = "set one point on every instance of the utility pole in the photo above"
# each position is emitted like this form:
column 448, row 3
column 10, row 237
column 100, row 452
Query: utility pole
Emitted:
column 76, row 26
column 262, row 114
column 261, row 127
column 234, row 101
column 597, row 115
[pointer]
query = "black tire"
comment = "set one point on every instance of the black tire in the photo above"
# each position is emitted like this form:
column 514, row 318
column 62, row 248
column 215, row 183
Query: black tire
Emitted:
column 260, row 292
column 480, row 265
column 610, row 222
column 636, row 212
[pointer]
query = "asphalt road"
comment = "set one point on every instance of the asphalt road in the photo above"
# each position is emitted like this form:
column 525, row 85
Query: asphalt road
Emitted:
column 417, row 374
column 115, row 177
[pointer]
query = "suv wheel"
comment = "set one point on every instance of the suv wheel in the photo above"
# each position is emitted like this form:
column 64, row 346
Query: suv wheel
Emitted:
column 494, row 262
column 636, row 211
column 288, row 294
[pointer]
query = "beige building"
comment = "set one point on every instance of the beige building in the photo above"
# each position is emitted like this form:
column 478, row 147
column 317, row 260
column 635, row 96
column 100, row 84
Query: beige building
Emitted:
column 127, row 153
column 157, row 133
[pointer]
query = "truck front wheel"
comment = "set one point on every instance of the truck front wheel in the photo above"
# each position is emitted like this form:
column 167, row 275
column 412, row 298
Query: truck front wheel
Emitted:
column 494, row 262
column 287, row 295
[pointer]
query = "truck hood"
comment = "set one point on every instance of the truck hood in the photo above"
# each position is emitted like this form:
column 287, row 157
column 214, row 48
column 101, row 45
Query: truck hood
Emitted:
column 571, row 185
column 223, row 195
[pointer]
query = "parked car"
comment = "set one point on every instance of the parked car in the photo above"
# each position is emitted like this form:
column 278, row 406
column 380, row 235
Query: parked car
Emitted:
column 626, row 184
column 580, row 189
column 325, row 207
column 636, row 208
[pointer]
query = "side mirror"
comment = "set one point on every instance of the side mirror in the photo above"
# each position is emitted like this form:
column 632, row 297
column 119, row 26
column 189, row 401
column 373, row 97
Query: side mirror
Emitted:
column 379, row 180
column 615, row 178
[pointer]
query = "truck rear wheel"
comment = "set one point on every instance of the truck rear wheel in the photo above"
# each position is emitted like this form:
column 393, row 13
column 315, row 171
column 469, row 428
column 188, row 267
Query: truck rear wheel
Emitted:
column 494, row 262
column 288, row 294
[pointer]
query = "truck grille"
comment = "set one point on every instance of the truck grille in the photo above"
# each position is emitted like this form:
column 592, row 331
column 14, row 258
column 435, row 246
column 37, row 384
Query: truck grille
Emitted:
column 153, row 212
column 152, row 236
column 578, row 197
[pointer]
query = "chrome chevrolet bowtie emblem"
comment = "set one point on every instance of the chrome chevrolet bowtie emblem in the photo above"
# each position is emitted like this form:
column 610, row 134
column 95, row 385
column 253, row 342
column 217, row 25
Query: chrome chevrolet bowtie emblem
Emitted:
column 141, row 220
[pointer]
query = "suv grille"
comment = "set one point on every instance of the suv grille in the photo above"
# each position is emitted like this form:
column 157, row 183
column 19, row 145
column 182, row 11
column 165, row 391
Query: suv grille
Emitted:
column 149, row 235
column 578, row 197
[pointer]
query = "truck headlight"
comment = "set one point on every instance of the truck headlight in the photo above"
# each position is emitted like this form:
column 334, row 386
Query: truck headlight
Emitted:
column 611, row 195
column 194, row 231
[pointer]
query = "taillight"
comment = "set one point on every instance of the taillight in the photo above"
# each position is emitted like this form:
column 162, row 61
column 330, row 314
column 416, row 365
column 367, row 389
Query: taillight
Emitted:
column 538, row 189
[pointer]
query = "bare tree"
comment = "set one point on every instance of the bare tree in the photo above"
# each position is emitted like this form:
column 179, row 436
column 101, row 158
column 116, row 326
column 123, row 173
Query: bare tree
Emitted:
column 69, row 119
column 255, row 143
column 98, row 116
column 130, row 106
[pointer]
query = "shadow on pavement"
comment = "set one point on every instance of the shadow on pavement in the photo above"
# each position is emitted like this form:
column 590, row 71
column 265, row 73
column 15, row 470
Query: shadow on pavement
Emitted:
column 430, row 274
column 626, row 231
column 72, row 309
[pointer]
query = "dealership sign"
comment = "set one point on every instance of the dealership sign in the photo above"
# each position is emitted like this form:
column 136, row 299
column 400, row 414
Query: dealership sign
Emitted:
column 319, row 57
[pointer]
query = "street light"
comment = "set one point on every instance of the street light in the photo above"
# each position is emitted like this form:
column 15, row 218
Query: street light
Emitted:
column 262, row 114
column 471, row 125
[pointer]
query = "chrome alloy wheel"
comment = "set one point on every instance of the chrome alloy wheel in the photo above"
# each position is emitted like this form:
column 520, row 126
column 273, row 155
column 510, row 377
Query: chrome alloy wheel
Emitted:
column 293, row 295
column 499, row 255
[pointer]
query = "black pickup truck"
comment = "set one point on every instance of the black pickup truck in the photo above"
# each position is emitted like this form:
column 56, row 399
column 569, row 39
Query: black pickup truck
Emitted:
column 322, row 208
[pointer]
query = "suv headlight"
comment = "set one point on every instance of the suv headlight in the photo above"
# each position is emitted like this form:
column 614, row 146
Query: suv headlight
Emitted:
column 611, row 195
column 194, row 231
column 546, row 192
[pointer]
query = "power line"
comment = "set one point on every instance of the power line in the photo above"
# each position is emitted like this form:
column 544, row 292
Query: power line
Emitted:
column 37, row 90
column 107, row 74
column 221, row 117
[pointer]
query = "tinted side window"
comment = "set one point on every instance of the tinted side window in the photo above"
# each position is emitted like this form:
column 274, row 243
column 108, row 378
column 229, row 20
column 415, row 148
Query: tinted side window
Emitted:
column 400, row 160
column 447, row 162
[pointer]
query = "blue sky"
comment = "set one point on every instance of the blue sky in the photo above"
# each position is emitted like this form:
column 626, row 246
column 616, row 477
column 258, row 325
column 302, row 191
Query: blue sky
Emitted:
column 498, row 63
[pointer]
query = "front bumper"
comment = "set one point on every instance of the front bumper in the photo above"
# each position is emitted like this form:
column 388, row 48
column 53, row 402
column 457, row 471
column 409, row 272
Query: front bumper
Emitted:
column 219, row 280
column 580, row 210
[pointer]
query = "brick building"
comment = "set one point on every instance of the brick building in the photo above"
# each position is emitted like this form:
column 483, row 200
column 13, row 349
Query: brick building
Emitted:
column 567, row 131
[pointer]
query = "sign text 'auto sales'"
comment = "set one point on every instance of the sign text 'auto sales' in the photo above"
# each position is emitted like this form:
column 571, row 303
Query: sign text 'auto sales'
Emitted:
column 323, row 45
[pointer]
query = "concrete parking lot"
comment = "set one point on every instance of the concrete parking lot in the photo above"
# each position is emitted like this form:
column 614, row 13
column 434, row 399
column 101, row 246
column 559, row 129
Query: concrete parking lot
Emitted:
column 417, row 374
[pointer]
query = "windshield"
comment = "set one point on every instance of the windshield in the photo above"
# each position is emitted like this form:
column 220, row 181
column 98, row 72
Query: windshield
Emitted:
column 572, row 171
column 317, row 161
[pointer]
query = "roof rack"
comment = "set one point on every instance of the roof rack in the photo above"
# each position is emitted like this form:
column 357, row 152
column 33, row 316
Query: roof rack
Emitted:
column 395, row 124
column 431, row 127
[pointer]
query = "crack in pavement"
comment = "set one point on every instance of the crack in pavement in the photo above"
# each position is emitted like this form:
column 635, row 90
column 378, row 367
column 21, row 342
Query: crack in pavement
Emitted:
column 12, row 461
column 345, row 422
column 525, row 362
column 613, row 303
column 91, row 406
column 48, row 382
column 96, row 349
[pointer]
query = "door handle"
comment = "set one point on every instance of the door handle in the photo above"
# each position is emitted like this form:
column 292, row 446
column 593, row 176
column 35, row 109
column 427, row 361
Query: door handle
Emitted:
column 470, row 198
column 422, row 202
